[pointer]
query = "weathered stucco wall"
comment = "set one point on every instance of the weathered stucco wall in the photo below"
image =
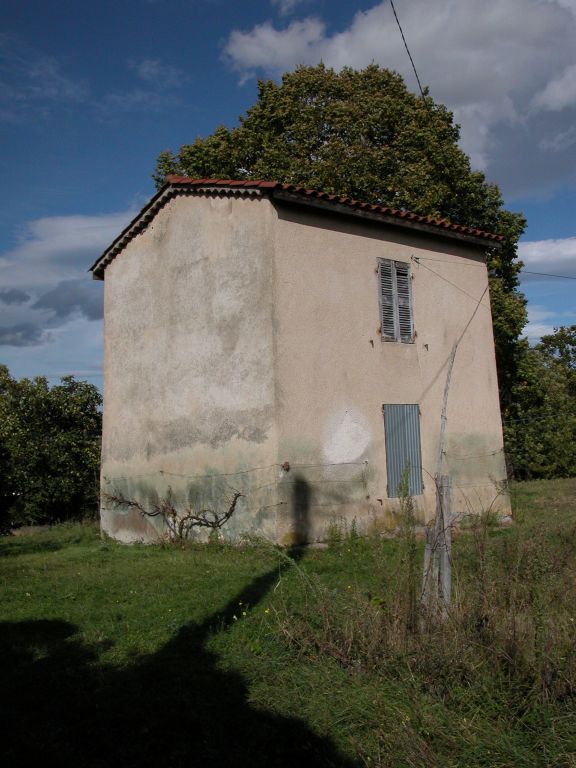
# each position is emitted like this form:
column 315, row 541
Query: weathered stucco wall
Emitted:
column 334, row 373
column 189, row 386
column 241, row 334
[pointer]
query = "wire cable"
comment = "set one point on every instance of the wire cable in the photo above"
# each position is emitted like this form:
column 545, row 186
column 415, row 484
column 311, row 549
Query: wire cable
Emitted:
column 450, row 261
column 546, row 274
column 478, row 301
column 407, row 49
column 483, row 266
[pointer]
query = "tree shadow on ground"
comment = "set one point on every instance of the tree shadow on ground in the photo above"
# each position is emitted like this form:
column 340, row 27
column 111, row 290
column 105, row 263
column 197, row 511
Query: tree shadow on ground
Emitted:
column 14, row 546
column 173, row 708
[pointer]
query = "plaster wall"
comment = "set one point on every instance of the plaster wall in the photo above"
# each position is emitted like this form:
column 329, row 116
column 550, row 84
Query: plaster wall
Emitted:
column 241, row 335
column 334, row 373
column 189, row 388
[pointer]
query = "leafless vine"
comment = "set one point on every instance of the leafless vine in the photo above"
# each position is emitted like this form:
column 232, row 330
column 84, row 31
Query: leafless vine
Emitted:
column 179, row 523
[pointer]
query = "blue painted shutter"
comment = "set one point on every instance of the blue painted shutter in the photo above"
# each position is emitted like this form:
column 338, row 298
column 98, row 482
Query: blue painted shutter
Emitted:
column 402, row 434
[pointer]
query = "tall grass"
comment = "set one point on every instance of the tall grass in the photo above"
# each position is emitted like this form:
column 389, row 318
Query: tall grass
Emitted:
column 493, row 683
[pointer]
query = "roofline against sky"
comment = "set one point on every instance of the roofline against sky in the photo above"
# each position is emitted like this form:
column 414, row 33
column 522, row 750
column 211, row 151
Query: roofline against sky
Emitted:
column 289, row 193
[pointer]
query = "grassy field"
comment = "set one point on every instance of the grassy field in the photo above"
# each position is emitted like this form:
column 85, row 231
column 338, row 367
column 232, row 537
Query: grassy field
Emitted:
column 219, row 655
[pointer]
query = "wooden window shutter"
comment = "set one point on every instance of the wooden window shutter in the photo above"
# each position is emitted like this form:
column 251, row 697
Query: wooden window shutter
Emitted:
column 404, row 301
column 387, row 300
column 395, row 301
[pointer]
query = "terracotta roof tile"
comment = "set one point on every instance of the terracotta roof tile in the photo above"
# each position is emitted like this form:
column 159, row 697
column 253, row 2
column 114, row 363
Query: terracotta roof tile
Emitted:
column 335, row 199
column 277, row 190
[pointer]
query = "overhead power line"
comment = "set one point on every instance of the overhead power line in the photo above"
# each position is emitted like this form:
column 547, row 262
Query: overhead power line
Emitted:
column 547, row 274
column 482, row 266
column 407, row 49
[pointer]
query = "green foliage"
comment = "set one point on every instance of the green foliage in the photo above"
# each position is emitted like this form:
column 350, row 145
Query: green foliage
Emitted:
column 335, row 534
column 49, row 449
column 356, row 133
column 540, row 418
column 560, row 351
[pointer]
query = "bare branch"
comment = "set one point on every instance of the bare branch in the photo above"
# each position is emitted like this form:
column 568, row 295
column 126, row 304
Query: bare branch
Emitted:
column 178, row 523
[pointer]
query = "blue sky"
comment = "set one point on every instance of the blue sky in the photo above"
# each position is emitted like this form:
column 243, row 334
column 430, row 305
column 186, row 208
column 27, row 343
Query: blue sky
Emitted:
column 90, row 93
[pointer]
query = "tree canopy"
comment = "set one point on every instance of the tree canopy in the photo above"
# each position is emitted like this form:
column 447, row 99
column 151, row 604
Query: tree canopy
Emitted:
column 49, row 449
column 357, row 133
column 540, row 420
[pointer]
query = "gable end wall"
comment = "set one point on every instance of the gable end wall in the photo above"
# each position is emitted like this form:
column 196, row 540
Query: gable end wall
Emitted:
column 189, row 387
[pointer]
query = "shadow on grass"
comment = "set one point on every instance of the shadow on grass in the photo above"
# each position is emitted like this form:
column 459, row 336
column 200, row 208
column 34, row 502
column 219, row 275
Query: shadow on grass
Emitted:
column 173, row 708
column 44, row 538
column 12, row 546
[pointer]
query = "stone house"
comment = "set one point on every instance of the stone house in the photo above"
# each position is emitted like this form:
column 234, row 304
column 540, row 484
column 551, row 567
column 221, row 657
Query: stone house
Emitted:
column 302, row 348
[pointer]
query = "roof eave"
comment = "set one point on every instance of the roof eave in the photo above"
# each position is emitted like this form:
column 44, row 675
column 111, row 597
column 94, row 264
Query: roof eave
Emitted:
column 141, row 218
column 320, row 201
column 166, row 193
column 382, row 218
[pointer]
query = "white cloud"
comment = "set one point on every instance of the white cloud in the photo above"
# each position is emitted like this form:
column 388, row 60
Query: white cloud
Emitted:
column 298, row 43
column 58, row 248
column 159, row 81
column 569, row 4
column 34, row 84
column 550, row 256
column 552, row 298
column 486, row 59
column 136, row 100
column 50, row 268
column 538, row 313
column 542, row 321
column 534, row 331
column 560, row 92
column 286, row 7
column 158, row 74
column 74, row 349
